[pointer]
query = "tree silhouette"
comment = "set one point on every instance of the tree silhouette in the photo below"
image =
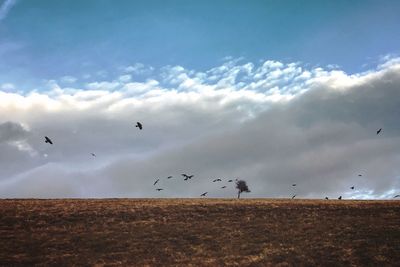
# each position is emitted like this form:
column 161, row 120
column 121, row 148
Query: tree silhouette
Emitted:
column 241, row 186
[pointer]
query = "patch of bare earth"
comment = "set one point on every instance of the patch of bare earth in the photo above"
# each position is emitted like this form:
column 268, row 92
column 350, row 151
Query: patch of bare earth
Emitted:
column 199, row 232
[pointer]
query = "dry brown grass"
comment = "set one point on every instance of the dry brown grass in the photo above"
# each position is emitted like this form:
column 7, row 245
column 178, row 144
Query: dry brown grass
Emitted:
column 199, row 232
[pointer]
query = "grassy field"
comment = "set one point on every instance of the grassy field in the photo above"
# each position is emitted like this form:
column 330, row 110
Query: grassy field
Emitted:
column 199, row 232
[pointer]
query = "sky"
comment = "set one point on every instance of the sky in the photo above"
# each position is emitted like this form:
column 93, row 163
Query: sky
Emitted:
column 273, row 92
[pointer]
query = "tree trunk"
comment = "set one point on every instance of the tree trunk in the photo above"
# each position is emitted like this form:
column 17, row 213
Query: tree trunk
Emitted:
column 238, row 194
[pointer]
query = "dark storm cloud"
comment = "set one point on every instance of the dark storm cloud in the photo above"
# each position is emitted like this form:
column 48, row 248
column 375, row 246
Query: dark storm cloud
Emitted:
column 321, row 140
column 11, row 131
column 320, row 137
column 15, row 152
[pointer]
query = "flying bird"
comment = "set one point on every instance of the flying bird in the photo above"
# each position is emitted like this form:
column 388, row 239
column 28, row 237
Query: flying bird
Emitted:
column 293, row 184
column 204, row 194
column 293, row 196
column 340, row 197
column 379, row 131
column 352, row 188
column 169, row 177
column 326, row 198
column 94, row 155
column 230, row 181
column 47, row 140
column 159, row 189
column 396, row 196
column 156, row 181
column 217, row 180
column 187, row 176
column 139, row 125
column 360, row 175
column 223, row 186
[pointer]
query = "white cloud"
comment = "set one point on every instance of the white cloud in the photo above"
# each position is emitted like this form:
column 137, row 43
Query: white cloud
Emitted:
column 272, row 125
column 6, row 7
column 7, row 86
column 68, row 79
column 103, row 85
column 125, row 78
column 134, row 68
column 138, row 68
column 139, row 88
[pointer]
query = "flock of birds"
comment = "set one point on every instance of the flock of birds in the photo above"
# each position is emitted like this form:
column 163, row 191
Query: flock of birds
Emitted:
column 188, row 177
column 340, row 197
column 352, row 187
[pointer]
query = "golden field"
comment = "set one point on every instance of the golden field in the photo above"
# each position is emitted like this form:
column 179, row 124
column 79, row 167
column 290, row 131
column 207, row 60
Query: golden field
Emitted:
column 199, row 232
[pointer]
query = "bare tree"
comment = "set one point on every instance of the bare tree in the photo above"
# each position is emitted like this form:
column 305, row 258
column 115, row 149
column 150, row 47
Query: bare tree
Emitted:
column 241, row 186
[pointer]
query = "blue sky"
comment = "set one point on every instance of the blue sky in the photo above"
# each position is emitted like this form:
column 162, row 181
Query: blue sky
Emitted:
column 50, row 39
column 273, row 92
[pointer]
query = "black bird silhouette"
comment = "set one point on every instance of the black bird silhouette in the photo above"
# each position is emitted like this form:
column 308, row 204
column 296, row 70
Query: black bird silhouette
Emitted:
column 352, row 188
column 47, row 140
column 139, row 125
column 187, row 176
column 217, row 180
column 204, row 194
column 159, row 189
column 360, row 175
column 94, row 155
column 230, row 181
column 379, row 131
column 396, row 196
column 326, row 198
column 293, row 196
column 156, row 181
column 293, row 184
column 224, row 186
column 340, row 197
column 169, row 177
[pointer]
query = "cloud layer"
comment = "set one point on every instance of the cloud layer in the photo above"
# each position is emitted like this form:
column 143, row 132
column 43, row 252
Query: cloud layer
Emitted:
column 272, row 124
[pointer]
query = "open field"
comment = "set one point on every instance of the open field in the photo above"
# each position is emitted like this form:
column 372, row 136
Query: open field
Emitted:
column 199, row 232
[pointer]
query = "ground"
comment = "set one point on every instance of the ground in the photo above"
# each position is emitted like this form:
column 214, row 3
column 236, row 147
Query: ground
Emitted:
column 199, row 232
